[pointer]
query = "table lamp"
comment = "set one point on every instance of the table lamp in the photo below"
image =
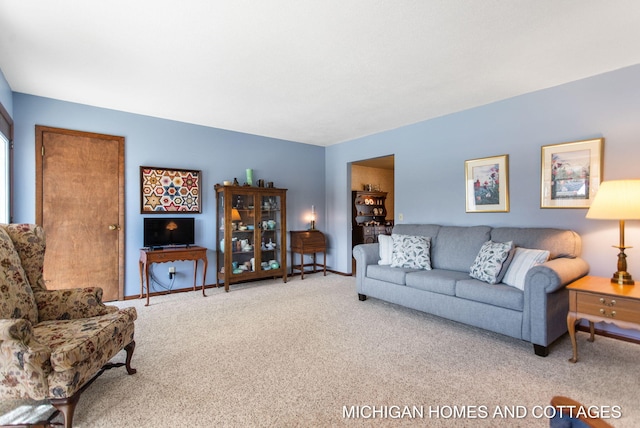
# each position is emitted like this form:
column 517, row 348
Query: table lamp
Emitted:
column 235, row 216
column 618, row 200
column 312, row 219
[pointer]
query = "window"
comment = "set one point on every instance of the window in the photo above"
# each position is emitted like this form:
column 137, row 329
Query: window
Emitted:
column 4, row 179
column 6, row 135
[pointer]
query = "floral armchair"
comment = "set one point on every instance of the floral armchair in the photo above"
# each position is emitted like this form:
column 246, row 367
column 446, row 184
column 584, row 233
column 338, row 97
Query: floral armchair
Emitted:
column 53, row 343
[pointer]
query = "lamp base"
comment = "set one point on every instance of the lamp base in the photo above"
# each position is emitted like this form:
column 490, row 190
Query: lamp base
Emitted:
column 622, row 278
column 312, row 225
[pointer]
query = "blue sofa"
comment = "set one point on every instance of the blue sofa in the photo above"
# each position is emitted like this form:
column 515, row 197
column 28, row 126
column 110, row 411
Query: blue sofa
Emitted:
column 537, row 314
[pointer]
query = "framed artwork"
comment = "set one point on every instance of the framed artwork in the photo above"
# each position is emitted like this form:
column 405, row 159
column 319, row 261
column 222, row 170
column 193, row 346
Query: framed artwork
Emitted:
column 571, row 173
column 164, row 190
column 487, row 184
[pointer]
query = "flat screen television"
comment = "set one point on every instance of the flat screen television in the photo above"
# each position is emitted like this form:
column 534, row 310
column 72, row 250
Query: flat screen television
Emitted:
column 168, row 231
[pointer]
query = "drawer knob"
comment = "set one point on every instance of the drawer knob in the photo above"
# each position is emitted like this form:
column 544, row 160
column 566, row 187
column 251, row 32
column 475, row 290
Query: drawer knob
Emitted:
column 611, row 315
column 604, row 302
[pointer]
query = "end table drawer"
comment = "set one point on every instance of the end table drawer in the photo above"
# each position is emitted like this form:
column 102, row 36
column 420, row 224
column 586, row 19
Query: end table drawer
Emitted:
column 613, row 307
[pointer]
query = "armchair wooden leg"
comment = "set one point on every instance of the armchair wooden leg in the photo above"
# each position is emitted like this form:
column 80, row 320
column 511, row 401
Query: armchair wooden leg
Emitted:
column 130, row 348
column 66, row 406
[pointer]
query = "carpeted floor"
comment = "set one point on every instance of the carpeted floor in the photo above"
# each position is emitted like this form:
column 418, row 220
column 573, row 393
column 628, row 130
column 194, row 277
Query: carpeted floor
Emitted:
column 308, row 353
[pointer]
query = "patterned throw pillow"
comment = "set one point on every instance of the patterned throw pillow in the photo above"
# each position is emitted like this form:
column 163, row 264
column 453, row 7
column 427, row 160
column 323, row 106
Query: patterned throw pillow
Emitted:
column 523, row 260
column 489, row 261
column 386, row 249
column 411, row 252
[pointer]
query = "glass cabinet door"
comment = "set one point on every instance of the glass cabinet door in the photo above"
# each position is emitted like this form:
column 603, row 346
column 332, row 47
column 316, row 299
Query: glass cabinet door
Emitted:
column 243, row 235
column 270, row 232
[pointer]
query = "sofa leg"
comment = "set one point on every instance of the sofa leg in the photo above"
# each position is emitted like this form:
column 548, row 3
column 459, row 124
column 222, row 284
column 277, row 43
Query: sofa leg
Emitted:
column 66, row 406
column 130, row 348
column 541, row 351
column 362, row 297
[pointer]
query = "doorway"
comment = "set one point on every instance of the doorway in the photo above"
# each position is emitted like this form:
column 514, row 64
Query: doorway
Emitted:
column 80, row 204
column 378, row 173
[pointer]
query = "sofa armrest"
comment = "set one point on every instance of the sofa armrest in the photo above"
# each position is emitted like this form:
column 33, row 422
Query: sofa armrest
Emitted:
column 555, row 274
column 24, row 362
column 365, row 254
column 546, row 299
column 71, row 304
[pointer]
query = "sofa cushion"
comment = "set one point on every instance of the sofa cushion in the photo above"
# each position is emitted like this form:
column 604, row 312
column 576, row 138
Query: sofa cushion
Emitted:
column 493, row 294
column 386, row 249
column 412, row 252
column 388, row 274
column 559, row 242
column 16, row 296
column 430, row 230
column 488, row 263
column 456, row 247
column 523, row 260
column 437, row 280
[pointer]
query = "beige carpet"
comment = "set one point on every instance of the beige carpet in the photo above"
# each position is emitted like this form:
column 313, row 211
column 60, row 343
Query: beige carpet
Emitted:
column 300, row 353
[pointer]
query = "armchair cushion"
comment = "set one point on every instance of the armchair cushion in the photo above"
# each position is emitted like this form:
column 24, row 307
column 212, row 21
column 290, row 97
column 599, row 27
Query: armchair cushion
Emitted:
column 74, row 341
column 71, row 304
column 16, row 296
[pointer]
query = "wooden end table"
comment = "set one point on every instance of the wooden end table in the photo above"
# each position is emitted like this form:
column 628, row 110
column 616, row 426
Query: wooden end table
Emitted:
column 148, row 257
column 597, row 299
column 308, row 242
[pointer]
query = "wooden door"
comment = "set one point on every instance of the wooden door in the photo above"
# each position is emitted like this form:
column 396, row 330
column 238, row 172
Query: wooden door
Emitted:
column 80, row 204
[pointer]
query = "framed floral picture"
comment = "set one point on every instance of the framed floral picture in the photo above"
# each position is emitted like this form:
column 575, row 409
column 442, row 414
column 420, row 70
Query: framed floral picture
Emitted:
column 164, row 190
column 487, row 184
column 571, row 173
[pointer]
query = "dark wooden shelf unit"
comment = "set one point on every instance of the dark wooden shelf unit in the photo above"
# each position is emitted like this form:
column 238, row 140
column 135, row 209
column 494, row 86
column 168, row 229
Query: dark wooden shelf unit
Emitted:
column 369, row 217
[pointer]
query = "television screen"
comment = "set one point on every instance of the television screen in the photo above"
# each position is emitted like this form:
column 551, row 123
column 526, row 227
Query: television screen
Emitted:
column 168, row 231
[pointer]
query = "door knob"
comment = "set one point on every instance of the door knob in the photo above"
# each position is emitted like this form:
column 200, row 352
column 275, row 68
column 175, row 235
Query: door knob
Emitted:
column 114, row 227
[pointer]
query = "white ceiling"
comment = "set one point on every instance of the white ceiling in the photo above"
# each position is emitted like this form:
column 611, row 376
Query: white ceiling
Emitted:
column 312, row 71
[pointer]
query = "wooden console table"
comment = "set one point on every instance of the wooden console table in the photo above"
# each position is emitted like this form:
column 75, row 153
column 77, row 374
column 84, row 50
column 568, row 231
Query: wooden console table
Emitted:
column 148, row 257
column 308, row 242
column 597, row 299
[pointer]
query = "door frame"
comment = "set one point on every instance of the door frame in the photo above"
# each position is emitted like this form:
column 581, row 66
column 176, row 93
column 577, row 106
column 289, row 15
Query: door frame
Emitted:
column 40, row 130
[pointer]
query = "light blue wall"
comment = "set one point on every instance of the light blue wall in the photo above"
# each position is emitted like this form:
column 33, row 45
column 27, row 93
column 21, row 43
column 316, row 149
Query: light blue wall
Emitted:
column 6, row 96
column 221, row 155
column 430, row 155
column 429, row 160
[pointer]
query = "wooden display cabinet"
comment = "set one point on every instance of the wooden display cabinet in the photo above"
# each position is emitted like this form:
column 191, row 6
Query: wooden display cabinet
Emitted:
column 251, row 233
column 369, row 217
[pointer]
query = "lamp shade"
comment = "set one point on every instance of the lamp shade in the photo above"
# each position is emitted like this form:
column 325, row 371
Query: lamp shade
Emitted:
column 235, row 215
column 616, row 200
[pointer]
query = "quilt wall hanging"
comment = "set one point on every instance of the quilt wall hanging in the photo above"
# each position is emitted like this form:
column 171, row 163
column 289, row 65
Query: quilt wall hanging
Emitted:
column 165, row 190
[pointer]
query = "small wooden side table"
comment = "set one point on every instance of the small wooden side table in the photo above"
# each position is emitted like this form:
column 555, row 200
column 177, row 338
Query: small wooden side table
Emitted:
column 308, row 242
column 148, row 257
column 597, row 299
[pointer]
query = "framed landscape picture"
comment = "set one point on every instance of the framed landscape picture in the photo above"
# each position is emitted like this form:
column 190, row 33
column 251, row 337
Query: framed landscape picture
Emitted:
column 571, row 173
column 487, row 184
column 164, row 190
